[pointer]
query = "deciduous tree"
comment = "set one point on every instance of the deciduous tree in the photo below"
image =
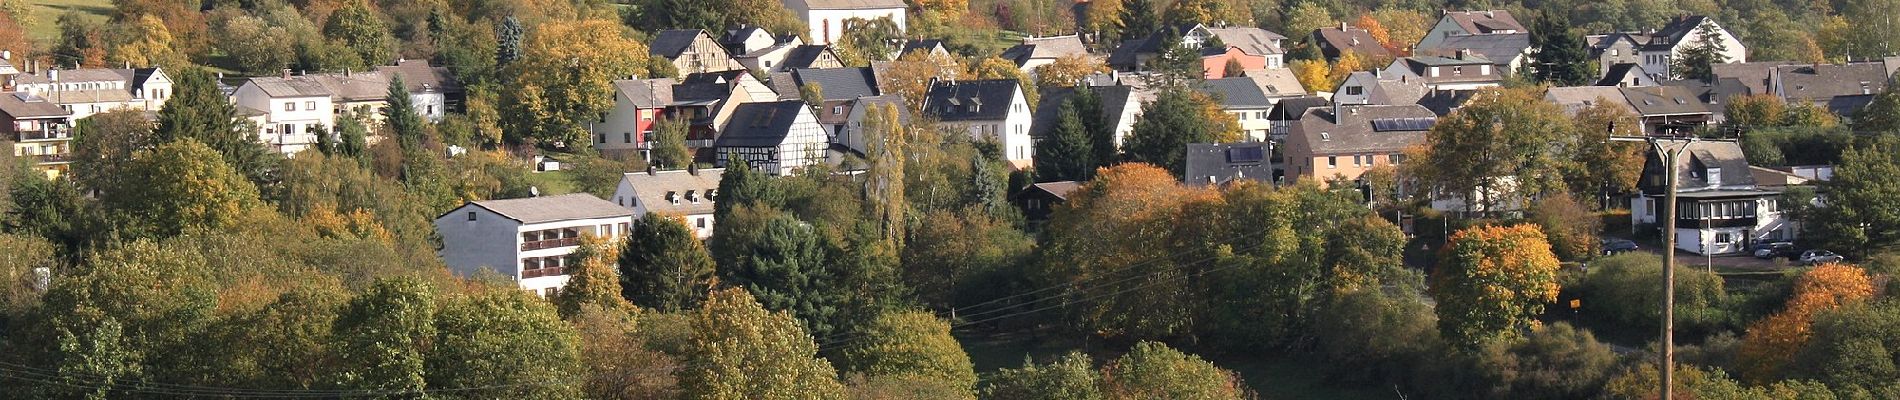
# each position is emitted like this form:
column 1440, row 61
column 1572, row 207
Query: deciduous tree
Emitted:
column 382, row 336
column 565, row 77
column 1772, row 342
column 1860, row 217
column 1490, row 282
column 1073, row 377
column 1155, row 371
column 740, row 351
column 1502, row 147
column 504, row 344
column 359, row 27
column 669, row 144
column 182, row 186
column 1175, row 119
column 1067, row 71
column 915, row 346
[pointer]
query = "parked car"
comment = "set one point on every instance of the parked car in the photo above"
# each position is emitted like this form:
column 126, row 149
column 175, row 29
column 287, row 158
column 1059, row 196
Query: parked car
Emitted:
column 1774, row 249
column 1812, row 257
column 1614, row 245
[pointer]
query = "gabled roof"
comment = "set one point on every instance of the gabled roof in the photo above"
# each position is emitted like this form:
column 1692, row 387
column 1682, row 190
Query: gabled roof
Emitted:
column 1621, row 72
column 979, row 100
column 1236, row 93
column 1443, row 102
column 1253, row 41
column 1357, row 40
column 760, row 124
column 1293, row 108
column 1059, row 189
column 1696, row 158
column 1221, row 163
column 837, row 83
column 1664, row 100
column 670, row 43
column 646, row 93
column 296, row 86
column 1353, row 130
column 1676, row 30
column 1823, row 82
column 1129, row 53
column 418, row 76
column 553, row 208
column 78, row 75
column 91, row 96
column 1277, row 82
column 1572, row 99
column 853, row 4
column 1488, row 21
column 651, row 189
column 804, row 56
column 1498, row 47
column 1055, row 46
column 22, row 105
column 1752, row 75
column 925, row 45
column 354, row 86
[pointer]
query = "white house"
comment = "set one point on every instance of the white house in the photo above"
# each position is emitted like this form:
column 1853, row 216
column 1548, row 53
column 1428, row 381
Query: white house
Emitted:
column 826, row 18
column 779, row 137
column 686, row 194
column 1464, row 71
column 1681, row 34
column 290, row 110
column 526, row 239
column 89, row 91
column 434, row 90
column 1470, row 23
column 990, row 110
column 1720, row 209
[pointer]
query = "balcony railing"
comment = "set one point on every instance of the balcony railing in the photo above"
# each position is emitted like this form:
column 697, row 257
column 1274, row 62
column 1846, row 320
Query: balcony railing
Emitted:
column 46, row 134
column 551, row 243
column 50, row 158
column 540, row 272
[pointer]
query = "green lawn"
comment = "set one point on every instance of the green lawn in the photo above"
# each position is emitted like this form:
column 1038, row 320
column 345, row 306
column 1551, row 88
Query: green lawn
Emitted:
column 552, row 182
column 44, row 23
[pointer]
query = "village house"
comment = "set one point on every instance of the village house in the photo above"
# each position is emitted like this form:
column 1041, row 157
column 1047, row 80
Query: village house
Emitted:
column 1334, row 42
column 1251, row 48
column 687, row 194
column 746, row 39
column 1470, row 23
column 1214, row 164
column 826, row 18
column 1720, row 209
column 779, row 138
column 527, row 240
column 41, row 131
column 89, row 91
column 1657, row 50
column 931, row 47
column 1577, row 98
column 638, row 105
column 1627, row 75
column 433, row 90
column 1246, row 101
column 848, row 134
column 1508, row 52
column 1841, row 88
column 288, row 110
column 1669, row 110
column 1121, row 105
column 691, row 51
column 1344, row 141
column 1288, row 112
column 993, row 110
column 1464, row 71
column 1371, row 87
column 1039, row 51
column 1039, row 201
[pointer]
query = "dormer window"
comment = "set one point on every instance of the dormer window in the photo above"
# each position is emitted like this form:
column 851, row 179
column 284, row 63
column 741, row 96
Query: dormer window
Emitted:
column 1325, row 136
column 672, row 197
column 690, row 196
column 712, row 194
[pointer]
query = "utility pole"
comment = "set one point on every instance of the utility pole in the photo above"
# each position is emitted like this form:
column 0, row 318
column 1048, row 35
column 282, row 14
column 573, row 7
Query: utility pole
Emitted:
column 1668, row 157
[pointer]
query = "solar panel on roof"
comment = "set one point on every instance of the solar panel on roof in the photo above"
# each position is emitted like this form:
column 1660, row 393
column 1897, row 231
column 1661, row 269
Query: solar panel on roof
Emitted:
column 1249, row 154
column 1402, row 124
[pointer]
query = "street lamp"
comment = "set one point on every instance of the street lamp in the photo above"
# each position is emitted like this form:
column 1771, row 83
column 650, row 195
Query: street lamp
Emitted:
column 1668, row 156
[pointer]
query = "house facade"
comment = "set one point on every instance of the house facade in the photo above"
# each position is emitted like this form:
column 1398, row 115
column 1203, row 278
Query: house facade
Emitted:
column 1039, row 201
column 993, row 110
column 89, row 91
column 1344, row 141
column 638, row 105
column 433, row 90
column 1463, row 71
column 289, row 110
column 687, row 194
column 691, row 51
column 825, row 19
column 1681, row 34
column 1720, row 209
column 41, row 131
column 529, row 240
column 779, row 137
column 1470, row 23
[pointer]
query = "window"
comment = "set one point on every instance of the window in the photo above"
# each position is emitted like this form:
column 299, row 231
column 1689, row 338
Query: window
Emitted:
column 471, row 215
column 290, row 106
column 1457, row 70
column 1613, row 52
column 1325, row 136
column 530, row 263
column 550, row 292
column 835, row 110
column 700, row 222
column 1722, row 238
column 1332, row 162
column 1395, row 159
column 309, row 106
column 1355, row 90
column 626, row 137
column 602, row 138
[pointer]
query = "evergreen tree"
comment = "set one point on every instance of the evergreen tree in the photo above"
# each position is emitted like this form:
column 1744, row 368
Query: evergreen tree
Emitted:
column 1166, row 127
column 1861, row 217
column 1088, row 107
column 1175, row 65
column 508, row 37
column 1696, row 61
column 197, row 110
column 1882, row 114
column 326, row 142
column 987, row 188
column 1562, row 58
column 401, row 116
column 1139, row 19
column 352, row 138
column 787, row 269
column 664, row 266
column 1066, row 153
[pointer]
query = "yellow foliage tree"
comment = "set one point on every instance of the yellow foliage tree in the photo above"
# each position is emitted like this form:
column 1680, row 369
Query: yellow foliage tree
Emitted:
column 1491, row 280
column 1376, row 30
column 565, row 77
column 1066, row 71
column 1403, row 27
column 1312, row 74
column 1771, row 342
column 150, row 45
column 910, row 76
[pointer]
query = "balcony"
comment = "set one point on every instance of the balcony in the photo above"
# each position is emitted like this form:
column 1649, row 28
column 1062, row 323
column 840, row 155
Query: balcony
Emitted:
column 550, row 243
column 541, row 272
column 51, row 158
column 57, row 133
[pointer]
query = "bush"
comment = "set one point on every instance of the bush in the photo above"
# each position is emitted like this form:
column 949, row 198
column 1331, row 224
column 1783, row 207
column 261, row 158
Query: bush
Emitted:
column 1622, row 290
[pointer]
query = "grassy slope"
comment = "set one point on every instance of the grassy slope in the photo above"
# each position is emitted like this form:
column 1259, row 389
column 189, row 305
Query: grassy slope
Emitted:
column 44, row 25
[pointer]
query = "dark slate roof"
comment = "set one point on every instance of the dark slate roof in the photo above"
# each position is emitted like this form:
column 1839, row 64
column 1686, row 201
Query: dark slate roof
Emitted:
column 760, row 124
column 1127, row 55
column 1236, row 93
column 804, row 56
column 700, row 93
column 1699, row 156
column 721, row 77
column 418, row 76
column 1048, row 109
column 1823, row 82
column 1221, row 163
column 671, row 42
column 1352, row 131
column 1674, row 32
column 646, row 93
column 1059, row 189
column 1619, row 73
column 1753, row 75
column 22, row 105
column 554, row 208
column 1485, row 21
column 1293, row 108
column 979, row 100
column 1358, row 40
column 926, row 45
column 1665, row 100
column 1443, row 102
column 838, row 83
column 1498, row 47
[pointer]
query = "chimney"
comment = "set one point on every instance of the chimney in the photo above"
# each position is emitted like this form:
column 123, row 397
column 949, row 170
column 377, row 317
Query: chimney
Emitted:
column 52, row 75
column 1490, row 14
column 346, row 72
column 1342, row 26
column 286, row 72
column 1464, row 53
column 6, row 55
column 651, row 170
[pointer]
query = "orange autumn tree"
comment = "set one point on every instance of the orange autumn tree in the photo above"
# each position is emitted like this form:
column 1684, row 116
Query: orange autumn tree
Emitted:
column 1376, row 30
column 1771, row 342
column 1122, row 224
column 1491, row 280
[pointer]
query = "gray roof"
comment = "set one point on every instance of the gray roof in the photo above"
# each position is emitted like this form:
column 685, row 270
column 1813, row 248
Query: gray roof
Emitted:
column 1485, row 21
column 1821, row 83
column 651, row 189
column 1049, row 48
column 554, row 208
column 979, row 100
column 925, row 45
column 853, row 4
column 837, row 83
column 91, row 96
column 1236, row 93
column 1572, row 99
column 21, row 105
column 646, row 93
column 1254, row 41
column 1221, row 163
column 805, row 56
column 1664, row 100
column 296, row 86
column 1293, row 108
column 1059, row 189
column 760, row 124
column 354, row 86
column 1395, row 91
column 1693, row 164
column 1333, row 41
column 1443, row 102
column 783, row 83
column 418, row 76
column 1352, row 131
column 670, row 43
column 79, row 75
column 1497, row 47
column 1752, row 75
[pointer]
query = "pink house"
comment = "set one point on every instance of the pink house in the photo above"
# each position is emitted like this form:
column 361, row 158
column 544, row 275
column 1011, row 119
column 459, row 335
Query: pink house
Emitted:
column 1214, row 65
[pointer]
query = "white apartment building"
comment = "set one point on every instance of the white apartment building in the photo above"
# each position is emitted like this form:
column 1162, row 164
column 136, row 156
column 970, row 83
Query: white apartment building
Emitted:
column 527, row 239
